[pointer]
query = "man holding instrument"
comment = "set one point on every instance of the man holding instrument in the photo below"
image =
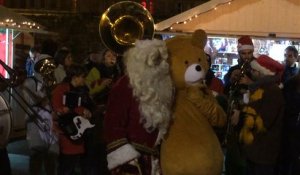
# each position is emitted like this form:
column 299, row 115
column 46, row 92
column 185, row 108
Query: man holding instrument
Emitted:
column 41, row 139
column 235, row 163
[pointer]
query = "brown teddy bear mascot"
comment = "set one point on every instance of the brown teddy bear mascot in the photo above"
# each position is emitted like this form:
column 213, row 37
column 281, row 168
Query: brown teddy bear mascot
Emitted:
column 191, row 146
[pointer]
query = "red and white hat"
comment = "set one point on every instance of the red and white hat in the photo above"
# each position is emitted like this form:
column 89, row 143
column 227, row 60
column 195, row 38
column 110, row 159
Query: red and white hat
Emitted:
column 266, row 65
column 245, row 42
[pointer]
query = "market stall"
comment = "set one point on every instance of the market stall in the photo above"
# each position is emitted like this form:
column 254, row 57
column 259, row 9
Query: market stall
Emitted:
column 263, row 18
column 11, row 26
column 15, row 30
column 273, row 25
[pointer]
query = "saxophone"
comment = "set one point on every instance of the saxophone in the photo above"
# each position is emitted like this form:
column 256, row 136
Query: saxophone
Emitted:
column 235, row 99
column 244, row 70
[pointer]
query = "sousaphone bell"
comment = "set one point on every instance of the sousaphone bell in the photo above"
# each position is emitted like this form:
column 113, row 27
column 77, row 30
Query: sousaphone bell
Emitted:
column 123, row 23
column 45, row 67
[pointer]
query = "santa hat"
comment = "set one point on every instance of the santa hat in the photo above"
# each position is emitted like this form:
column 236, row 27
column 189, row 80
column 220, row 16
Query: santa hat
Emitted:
column 245, row 42
column 266, row 65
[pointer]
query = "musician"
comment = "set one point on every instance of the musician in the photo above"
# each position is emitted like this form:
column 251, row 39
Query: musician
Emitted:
column 235, row 163
column 245, row 50
column 138, row 110
column 260, row 132
column 41, row 139
column 71, row 152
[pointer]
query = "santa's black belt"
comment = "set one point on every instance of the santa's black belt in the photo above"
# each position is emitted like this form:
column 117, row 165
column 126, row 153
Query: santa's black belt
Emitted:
column 144, row 149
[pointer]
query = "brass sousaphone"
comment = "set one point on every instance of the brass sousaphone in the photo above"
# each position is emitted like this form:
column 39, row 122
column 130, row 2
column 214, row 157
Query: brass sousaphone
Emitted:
column 123, row 23
column 45, row 67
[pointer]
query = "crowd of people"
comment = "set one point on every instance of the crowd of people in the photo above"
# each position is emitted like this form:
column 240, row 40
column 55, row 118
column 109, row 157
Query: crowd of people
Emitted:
column 84, row 90
column 260, row 95
column 263, row 118
column 78, row 90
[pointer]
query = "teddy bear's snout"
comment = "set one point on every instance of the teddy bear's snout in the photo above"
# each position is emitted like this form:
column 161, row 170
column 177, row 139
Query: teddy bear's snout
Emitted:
column 198, row 68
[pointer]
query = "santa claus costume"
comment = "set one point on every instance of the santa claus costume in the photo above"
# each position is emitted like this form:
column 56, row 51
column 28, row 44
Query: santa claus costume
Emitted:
column 139, row 110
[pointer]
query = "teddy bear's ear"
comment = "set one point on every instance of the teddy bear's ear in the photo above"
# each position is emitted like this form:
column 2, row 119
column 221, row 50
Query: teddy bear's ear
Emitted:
column 199, row 38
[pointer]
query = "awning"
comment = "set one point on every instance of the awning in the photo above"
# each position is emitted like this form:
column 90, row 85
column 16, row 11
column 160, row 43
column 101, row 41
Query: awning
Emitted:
column 12, row 20
column 261, row 18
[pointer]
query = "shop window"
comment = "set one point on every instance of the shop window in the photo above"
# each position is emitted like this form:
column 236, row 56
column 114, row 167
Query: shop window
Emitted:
column 223, row 50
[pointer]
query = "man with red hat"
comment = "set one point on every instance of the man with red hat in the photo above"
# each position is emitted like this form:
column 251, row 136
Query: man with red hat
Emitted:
column 235, row 163
column 260, row 129
column 245, row 49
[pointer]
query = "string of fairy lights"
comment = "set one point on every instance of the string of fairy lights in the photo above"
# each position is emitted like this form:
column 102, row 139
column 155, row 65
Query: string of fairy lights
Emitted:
column 197, row 15
column 24, row 24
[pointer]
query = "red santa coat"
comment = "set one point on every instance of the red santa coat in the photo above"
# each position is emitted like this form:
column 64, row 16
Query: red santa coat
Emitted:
column 126, row 137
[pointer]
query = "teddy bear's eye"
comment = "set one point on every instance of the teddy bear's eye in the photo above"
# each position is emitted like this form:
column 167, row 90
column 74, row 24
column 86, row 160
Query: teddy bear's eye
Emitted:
column 186, row 62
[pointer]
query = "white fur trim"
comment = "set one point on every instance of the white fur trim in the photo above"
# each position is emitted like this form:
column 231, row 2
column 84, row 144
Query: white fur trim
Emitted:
column 245, row 47
column 121, row 155
column 159, row 138
column 155, row 168
column 256, row 66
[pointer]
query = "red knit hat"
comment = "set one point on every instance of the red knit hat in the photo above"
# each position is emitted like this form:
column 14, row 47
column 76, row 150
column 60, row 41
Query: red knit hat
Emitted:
column 266, row 65
column 245, row 42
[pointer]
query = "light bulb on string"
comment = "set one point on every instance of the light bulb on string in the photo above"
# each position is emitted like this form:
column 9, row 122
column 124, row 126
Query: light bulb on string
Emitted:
column 196, row 16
